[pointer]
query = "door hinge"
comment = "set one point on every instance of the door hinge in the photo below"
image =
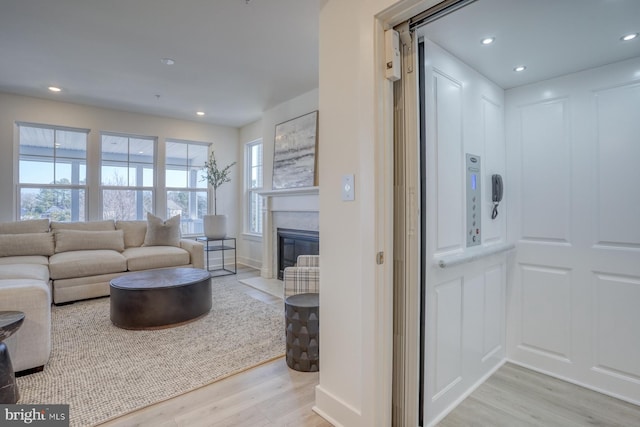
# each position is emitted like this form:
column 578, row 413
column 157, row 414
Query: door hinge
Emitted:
column 380, row 258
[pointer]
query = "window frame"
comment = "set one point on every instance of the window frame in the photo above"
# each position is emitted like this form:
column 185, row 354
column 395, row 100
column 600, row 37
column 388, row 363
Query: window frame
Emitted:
column 138, row 188
column 251, row 190
column 206, row 188
column 82, row 211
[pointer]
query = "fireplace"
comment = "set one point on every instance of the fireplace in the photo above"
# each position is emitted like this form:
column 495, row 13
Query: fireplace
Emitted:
column 292, row 243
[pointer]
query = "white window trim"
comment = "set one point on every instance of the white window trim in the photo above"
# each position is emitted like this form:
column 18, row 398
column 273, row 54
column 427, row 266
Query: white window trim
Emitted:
column 16, row 159
column 247, row 233
column 206, row 189
column 153, row 189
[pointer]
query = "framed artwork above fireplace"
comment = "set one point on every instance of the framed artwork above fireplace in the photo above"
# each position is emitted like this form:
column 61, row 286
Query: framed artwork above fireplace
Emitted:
column 294, row 154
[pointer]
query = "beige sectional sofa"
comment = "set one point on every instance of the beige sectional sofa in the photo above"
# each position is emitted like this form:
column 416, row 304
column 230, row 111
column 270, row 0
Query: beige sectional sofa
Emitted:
column 43, row 262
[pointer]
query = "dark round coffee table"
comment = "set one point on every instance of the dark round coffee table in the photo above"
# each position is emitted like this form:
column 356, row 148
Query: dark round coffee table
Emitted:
column 10, row 322
column 162, row 298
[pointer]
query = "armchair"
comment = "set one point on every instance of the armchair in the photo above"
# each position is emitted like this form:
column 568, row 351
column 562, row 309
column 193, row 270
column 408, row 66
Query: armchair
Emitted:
column 304, row 277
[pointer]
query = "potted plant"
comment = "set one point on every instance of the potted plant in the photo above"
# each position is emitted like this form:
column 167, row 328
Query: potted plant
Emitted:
column 215, row 226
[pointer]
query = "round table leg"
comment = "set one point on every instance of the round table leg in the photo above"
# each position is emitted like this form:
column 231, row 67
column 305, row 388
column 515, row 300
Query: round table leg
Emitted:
column 8, row 387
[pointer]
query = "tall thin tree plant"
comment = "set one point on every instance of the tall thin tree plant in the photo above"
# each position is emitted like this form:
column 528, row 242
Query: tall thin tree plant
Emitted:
column 216, row 177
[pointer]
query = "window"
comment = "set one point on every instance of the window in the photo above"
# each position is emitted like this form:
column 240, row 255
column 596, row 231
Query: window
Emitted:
column 127, row 176
column 253, row 184
column 52, row 172
column 187, row 191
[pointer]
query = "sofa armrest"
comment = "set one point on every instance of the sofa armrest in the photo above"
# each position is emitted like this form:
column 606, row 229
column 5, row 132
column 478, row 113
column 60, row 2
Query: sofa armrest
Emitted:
column 196, row 252
column 298, row 280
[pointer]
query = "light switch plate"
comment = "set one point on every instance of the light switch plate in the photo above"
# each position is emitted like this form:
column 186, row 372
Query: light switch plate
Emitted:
column 348, row 188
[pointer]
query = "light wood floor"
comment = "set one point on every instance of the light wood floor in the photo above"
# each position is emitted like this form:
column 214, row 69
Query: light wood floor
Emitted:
column 518, row 397
column 266, row 396
column 274, row 395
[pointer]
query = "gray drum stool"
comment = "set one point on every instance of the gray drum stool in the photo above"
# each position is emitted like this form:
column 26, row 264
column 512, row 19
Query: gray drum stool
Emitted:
column 303, row 332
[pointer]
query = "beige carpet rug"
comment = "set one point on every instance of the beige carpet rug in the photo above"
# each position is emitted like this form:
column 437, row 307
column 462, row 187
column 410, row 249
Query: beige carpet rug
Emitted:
column 103, row 371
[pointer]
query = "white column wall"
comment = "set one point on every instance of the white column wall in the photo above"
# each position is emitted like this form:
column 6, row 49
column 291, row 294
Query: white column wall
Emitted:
column 356, row 118
column 574, row 206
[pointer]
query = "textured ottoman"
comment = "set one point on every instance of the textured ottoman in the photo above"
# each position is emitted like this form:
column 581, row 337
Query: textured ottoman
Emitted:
column 161, row 298
column 303, row 332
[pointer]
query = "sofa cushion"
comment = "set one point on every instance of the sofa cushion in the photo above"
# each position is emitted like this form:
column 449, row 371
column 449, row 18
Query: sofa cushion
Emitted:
column 65, row 265
column 134, row 232
column 25, row 259
column 106, row 225
column 24, row 271
column 155, row 257
column 81, row 240
column 26, row 244
column 26, row 226
column 162, row 233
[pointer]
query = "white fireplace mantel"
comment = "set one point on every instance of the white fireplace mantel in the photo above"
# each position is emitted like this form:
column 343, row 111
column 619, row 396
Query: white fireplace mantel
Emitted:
column 287, row 200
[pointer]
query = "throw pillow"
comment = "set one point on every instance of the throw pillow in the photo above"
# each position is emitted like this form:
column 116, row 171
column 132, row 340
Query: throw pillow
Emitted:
column 134, row 232
column 84, row 240
column 162, row 233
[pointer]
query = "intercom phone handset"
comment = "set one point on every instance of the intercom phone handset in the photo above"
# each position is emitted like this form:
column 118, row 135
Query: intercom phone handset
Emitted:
column 496, row 193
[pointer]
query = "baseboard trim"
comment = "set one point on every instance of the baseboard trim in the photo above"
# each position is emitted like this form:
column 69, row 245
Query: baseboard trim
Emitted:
column 253, row 263
column 335, row 410
column 576, row 382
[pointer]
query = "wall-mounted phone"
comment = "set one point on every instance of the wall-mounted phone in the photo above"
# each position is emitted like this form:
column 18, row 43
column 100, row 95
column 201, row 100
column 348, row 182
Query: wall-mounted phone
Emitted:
column 497, row 190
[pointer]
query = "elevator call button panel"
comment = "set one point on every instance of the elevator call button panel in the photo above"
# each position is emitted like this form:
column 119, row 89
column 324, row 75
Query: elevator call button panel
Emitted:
column 474, row 197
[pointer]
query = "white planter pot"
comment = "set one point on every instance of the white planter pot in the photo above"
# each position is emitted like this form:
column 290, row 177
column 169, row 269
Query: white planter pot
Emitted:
column 215, row 226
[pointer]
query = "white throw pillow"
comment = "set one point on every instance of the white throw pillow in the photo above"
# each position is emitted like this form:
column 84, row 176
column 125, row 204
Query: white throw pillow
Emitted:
column 162, row 233
column 134, row 232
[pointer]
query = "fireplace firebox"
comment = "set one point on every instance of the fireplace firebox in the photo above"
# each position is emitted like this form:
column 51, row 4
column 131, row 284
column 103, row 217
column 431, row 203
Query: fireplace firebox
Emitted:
column 292, row 243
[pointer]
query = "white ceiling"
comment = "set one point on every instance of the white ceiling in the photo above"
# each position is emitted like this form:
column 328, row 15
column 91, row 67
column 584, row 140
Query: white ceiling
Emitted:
column 550, row 37
column 236, row 59
column 233, row 59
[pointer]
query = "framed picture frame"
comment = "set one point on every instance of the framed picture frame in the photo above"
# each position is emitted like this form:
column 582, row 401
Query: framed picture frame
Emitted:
column 294, row 153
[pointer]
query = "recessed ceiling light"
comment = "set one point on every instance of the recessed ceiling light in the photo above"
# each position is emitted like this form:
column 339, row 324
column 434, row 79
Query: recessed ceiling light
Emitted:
column 628, row 37
column 168, row 61
column 519, row 68
column 54, row 89
column 487, row 40
column 200, row 113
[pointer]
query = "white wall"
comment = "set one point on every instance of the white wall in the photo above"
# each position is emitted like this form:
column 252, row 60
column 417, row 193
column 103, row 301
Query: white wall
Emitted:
column 465, row 316
column 250, row 247
column 356, row 294
column 15, row 108
column 575, row 285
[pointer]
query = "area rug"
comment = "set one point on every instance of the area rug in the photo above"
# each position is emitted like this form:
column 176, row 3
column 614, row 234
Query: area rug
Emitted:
column 103, row 371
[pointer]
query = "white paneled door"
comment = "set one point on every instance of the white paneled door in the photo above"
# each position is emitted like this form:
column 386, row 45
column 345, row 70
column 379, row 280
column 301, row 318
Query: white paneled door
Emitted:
column 465, row 310
column 573, row 147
